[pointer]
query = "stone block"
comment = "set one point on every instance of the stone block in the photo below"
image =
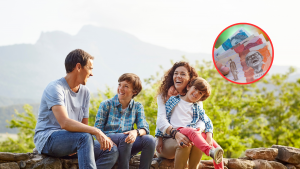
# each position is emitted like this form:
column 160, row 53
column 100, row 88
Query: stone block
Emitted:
column 288, row 154
column 48, row 163
column 264, row 164
column 10, row 165
column 290, row 166
column 13, row 156
column 240, row 164
column 262, row 153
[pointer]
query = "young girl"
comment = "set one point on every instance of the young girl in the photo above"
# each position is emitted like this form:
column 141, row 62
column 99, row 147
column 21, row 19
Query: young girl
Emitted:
column 186, row 110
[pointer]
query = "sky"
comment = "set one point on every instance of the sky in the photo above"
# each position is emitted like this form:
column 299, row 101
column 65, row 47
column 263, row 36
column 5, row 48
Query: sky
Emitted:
column 190, row 26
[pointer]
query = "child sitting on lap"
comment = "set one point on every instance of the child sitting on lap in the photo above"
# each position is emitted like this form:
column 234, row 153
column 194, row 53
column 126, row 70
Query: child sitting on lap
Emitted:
column 187, row 110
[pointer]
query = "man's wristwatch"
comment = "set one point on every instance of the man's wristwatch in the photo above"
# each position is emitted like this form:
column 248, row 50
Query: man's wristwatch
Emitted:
column 138, row 132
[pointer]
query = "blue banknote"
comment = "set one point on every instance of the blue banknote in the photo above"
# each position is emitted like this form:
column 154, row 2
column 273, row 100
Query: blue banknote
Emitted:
column 236, row 38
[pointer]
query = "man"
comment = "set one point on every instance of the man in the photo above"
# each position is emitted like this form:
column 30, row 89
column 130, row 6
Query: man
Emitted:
column 233, row 70
column 255, row 60
column 62, row 127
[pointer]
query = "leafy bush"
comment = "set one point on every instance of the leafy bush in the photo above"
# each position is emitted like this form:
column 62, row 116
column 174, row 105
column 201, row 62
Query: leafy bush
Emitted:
column 244, row 116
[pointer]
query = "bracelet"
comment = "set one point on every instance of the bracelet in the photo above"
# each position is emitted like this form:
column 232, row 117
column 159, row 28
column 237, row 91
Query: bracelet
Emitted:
column 172, row 132
column 138, row 132
column 175, row 134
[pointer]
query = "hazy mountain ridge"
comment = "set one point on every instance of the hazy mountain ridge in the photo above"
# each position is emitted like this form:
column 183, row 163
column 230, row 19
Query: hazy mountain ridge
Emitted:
column 26, row 69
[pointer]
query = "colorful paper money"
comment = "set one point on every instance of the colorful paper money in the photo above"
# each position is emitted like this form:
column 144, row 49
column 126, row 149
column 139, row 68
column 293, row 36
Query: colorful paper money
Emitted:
column 236, row 38
column 247, row 58
column 249, row 64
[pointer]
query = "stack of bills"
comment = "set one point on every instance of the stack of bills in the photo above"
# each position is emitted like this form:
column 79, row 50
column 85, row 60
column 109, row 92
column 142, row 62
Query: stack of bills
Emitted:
column 248, row 56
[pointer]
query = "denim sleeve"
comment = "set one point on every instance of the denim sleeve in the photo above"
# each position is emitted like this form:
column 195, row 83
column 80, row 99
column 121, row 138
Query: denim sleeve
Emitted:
column 141, row 120
column 102, row 114
column 207, row 121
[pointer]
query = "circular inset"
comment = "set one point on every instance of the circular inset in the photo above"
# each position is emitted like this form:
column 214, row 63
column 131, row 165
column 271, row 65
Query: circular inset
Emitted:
column 246, row 50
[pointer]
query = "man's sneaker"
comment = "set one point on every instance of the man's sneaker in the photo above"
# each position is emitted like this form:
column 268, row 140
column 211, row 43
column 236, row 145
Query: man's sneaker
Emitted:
column 216, row 154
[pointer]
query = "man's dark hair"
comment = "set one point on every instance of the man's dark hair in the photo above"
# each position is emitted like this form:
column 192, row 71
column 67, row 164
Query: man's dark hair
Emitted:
column 76, row 56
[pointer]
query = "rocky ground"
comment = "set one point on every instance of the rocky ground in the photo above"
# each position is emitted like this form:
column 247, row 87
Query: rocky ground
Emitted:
column 276, row 157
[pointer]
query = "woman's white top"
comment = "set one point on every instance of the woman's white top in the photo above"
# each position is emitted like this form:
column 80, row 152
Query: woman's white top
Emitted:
column 182, row 115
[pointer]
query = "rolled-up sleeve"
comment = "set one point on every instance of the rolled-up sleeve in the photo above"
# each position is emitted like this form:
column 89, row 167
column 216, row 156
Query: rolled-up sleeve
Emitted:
column 207, row 121
column 141, row 120
column 101, row 117
column 200, row 124
column 162, row 121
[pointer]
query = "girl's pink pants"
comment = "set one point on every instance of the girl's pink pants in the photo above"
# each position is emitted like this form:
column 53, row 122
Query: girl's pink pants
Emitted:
column 199, row 140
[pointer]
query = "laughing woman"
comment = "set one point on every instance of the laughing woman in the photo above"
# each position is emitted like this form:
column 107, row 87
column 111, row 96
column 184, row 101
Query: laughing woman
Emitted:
column 179, row 148
column 116, row 118
column 175, row 82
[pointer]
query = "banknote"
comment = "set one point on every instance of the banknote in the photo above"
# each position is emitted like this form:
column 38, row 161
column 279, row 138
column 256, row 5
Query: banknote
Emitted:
column 251, row 41
column 270, row 48
column 231, row 51
column 236, row 38
column 234, row 64
column 250, row 64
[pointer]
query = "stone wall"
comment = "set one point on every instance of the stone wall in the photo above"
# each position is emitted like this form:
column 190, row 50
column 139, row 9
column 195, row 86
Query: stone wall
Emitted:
column 276, row 157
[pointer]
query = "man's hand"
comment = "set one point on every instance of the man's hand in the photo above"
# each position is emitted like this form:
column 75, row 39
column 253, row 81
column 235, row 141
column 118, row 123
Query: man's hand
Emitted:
column 182, row 138
column 132, row 134
column 105, row 142
column 159, row 145
column 209, row 139
column 224, row 70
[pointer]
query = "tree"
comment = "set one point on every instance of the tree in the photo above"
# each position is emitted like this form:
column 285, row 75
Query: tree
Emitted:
column 276, row 119
column 244, row 116
column 26, row 123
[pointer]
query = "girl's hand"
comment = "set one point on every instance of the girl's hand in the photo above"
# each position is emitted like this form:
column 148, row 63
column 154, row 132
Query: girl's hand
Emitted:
column 209, row 139
column 198, row 129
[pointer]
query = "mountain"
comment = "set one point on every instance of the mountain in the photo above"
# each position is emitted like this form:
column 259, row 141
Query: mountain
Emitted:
column 26, row 69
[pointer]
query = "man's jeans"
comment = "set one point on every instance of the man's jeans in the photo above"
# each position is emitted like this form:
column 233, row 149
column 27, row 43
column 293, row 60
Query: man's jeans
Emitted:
column 64, row 143
column 145, row 143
